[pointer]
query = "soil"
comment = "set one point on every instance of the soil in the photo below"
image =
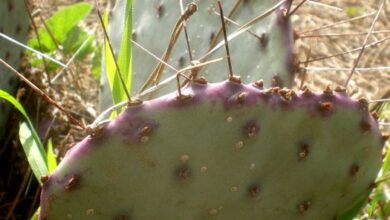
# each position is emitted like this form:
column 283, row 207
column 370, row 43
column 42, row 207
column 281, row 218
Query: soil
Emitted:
column 78, row 90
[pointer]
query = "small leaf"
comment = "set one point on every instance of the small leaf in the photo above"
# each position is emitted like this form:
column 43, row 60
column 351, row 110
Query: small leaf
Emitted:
column 59, row 25
column 78, row 41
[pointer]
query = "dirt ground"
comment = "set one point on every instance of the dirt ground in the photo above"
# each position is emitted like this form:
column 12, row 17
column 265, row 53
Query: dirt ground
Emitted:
column 19, row 191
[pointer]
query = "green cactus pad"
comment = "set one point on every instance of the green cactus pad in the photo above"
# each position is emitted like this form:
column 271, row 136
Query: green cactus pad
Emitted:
column 222, row 151
column 265, row 53
column 14, row 22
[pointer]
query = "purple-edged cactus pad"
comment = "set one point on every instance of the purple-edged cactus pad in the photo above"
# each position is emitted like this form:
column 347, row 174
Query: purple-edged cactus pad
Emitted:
column 222, row 151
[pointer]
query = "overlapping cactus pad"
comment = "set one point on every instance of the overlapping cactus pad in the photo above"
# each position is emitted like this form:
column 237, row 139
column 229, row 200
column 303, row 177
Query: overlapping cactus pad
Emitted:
column 222, row 151
column 264, row 52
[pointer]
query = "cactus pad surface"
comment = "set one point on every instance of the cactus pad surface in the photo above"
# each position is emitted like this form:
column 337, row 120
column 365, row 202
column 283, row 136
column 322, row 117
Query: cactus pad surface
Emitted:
column 264, row 52
column 14, row 22
column 222, row 151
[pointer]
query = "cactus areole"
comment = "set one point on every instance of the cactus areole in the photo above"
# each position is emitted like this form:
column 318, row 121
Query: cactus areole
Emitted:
column 223, row 151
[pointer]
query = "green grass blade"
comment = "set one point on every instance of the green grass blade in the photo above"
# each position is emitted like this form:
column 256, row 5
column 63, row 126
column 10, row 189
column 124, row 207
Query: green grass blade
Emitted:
column 51, row 157
column 124, row 58
column 29, row 138
column 35, row 215
column 32, row 150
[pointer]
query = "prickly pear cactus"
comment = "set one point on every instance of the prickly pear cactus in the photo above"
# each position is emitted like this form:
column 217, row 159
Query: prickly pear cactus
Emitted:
column 14, row 22
column 264, row 52
column 222, row 151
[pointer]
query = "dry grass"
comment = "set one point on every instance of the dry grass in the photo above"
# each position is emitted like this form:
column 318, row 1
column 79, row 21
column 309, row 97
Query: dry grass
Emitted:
column 370, row 84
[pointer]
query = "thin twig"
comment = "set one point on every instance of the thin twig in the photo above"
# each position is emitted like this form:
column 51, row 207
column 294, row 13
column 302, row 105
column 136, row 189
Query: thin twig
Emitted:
column 336, row 23
column 237, row 24
column 377, row 68
column 51, row 35
column 105, row 113
column 364, row 43
column 43, row 94
column 38, row 39
column 19, row 193
column 347, row 52
column 243, row 29
column 154, row 56
column 186, row 32
column 156, row 73
column 308, row 54
column 265, row 14
column 112, row 52
column 325, row 5
column 71, row 59
column 296, row 8
column 31, row 49
column 213, row 41
column 342, row 34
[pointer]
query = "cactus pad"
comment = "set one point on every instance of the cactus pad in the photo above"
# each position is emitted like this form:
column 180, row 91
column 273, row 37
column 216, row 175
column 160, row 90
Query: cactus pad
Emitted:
column 14, row 22
column 222, row 151
column 263, row 53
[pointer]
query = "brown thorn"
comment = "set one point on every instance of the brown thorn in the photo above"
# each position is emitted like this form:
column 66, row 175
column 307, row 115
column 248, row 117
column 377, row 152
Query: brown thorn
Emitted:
column 178, row 84
column 286, row 10
column 363, row 104
column 296, row 8
column 306, row 91
column 180, row 95
column 226, row 40
column 259, row 84
column 112, row 52
column 365, row 126
column 340, row 89
column 214, row 38
column 44, row 179
column 375, row 115
column 326, row 107
column 134, row 102
column 328, row 91
column 43, row 94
